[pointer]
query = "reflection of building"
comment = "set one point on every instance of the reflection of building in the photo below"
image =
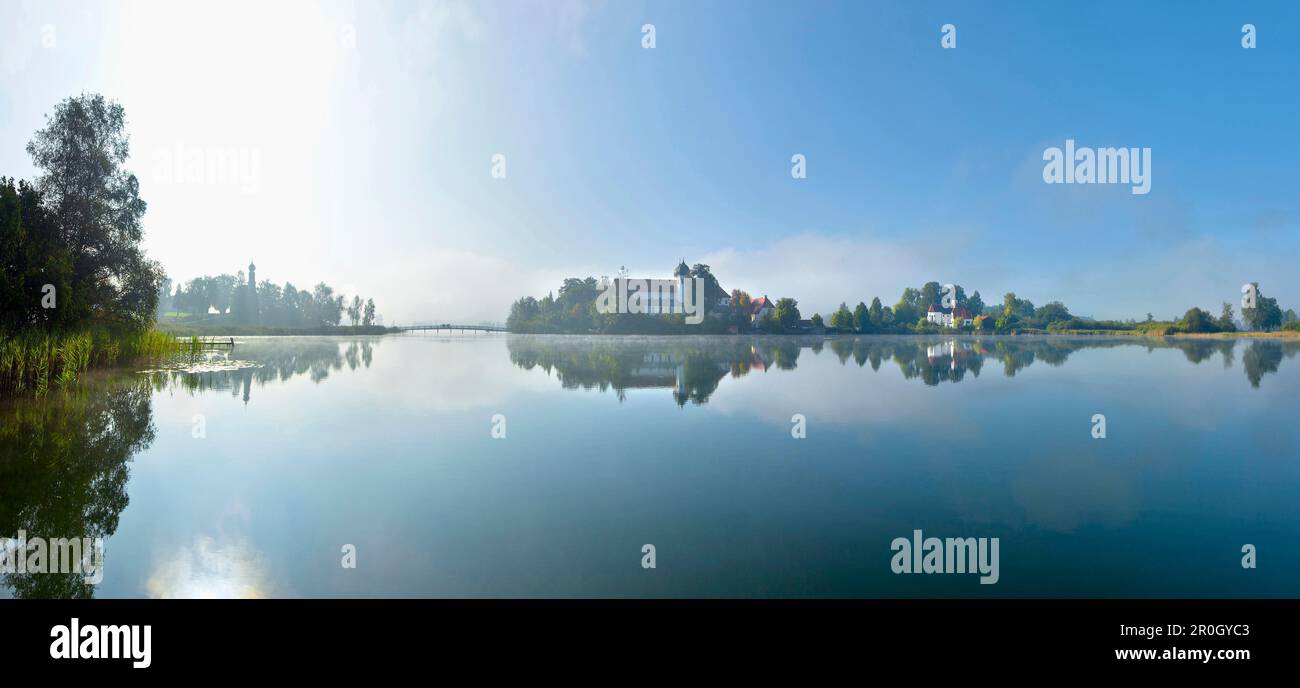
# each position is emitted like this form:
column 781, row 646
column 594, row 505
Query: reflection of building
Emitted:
column 949, row 317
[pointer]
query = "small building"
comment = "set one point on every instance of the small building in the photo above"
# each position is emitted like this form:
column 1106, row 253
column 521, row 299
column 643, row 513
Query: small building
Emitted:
column 760, row 308
column 949, row 317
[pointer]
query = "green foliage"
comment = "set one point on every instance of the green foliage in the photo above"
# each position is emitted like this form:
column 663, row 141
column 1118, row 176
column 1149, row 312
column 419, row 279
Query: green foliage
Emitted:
column 842, row 318
column 861, row 318
column 1197, row 320
column 272, row 305
column 1265, row 316
column 786, row 314
column 94, row 213
column 34, row 360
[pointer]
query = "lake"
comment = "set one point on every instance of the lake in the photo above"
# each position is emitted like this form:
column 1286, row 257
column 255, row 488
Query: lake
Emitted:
column 506, row 466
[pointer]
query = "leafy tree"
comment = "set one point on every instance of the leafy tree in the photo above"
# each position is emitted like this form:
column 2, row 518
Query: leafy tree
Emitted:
column 906, row 310
column 842, row 318
column 369, row 318
column 931, row 295
column 354, row 310
column 975, row 304
column 876, row 312
column 1265, row 315
column 1225, row 318
column 32, row 254
column 1052, row 312
column 817, row 320
column 861, row 318
column 96, row 211
column 786, row 314
column 740, row 299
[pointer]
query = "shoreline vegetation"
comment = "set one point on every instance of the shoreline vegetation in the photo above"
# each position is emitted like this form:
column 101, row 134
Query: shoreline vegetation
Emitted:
column 33, row 362
column 77, row 291
column 934, row 308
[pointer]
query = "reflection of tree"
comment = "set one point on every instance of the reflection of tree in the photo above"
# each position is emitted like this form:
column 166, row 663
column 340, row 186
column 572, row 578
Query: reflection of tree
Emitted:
column 269, row 360
column 1263, row 356
column 63, row 470
column 694, row 367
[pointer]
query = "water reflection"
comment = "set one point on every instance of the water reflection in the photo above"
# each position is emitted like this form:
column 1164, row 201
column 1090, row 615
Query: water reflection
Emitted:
column 264, row 361
column 64, row 470
column 395, row 450
column 65, row 459
column 694, row 367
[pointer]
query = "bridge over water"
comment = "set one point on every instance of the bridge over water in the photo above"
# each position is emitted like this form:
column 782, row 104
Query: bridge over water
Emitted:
column 450, row 327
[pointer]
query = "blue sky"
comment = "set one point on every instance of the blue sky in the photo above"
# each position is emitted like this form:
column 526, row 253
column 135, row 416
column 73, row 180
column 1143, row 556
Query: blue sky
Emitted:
column 374, row 124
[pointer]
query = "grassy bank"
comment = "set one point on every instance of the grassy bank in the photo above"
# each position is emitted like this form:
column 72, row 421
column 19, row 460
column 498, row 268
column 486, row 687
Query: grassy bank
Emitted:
column 32, row 362
column 1172, row 332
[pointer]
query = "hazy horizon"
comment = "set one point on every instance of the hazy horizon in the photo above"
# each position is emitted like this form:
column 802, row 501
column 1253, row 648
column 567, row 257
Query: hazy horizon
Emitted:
column 366, row 133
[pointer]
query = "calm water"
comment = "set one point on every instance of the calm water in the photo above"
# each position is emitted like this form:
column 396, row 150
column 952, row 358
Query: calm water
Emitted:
column 685, row 443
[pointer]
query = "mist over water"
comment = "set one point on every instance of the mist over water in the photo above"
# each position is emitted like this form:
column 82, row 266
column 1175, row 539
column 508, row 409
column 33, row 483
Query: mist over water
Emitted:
column 247, row 476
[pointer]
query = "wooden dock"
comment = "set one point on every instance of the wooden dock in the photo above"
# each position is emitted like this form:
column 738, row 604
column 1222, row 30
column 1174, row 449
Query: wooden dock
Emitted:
column 210, row 342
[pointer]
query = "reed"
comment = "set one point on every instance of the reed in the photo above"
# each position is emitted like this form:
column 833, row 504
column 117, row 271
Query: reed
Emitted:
column 32, row 362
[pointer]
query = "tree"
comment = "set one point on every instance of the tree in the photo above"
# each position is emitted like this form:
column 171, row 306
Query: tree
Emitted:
column 369, row 318
column 931, row 295
column 1021, row 308
column 876, row 312
column 1265, row 315
column 861, row 318
column 817, row 321
column 975, row 304
column 740, row 299
column 354, row 310
column 328, row 309
column 1225, row 318
column 906, row 310
column 842, row 318
column 1052, row 312
column 32, row 254
column 96, row 210
column 1197, row 320
column 786, row 313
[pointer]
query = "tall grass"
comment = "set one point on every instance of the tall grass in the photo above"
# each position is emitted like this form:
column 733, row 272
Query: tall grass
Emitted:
column 33, row 361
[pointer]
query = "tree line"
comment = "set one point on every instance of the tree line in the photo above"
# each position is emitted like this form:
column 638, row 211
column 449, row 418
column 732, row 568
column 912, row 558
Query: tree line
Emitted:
column 269, row 304
column 573, row 310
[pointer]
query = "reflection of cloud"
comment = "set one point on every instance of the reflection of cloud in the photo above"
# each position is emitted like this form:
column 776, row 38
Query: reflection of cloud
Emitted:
column 206, row 569
column 466, row 372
